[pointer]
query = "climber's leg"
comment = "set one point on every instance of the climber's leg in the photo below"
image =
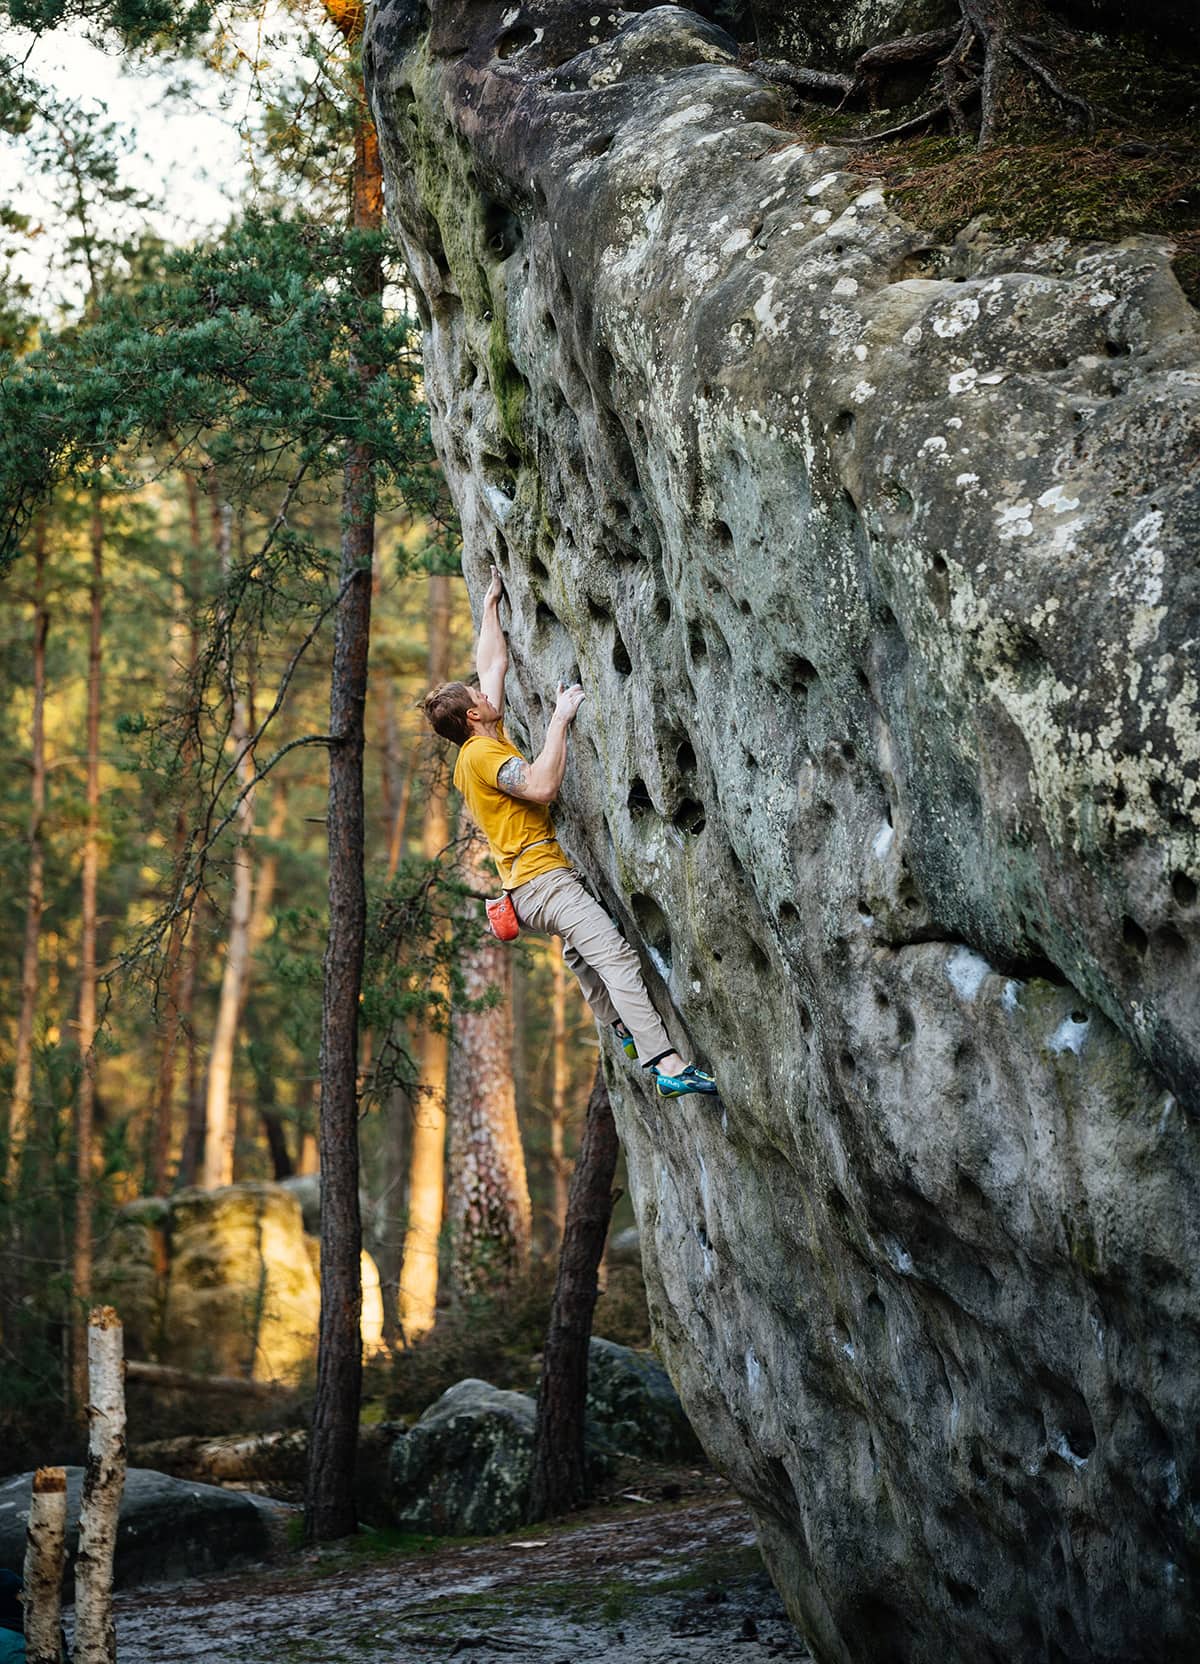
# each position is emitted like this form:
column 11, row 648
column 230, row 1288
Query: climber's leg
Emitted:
column 557, row 904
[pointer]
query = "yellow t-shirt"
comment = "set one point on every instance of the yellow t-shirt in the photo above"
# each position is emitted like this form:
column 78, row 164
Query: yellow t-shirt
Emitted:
column 508, row 823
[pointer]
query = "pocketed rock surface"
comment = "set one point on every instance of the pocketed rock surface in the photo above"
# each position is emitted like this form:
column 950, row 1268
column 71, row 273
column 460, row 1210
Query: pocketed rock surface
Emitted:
column 878, row 561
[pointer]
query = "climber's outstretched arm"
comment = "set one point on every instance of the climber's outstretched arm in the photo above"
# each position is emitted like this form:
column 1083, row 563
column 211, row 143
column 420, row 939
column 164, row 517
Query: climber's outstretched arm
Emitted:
column 491, row 655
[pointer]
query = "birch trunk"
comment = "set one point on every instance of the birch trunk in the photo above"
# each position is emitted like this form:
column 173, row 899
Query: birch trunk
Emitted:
column 488, row 1206
column 426, row 1190
column 21, row 1114
column 85, row 1101
column 219, row 1124
column 104, row 1481
column 45, row 1557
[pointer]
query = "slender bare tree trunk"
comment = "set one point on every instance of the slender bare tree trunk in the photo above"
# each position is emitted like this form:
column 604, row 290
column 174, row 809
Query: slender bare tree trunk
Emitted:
column 219, row 1123
column 419, row 1273
column 85, row 1102
column 560, row 1167
column 193, row 1137
column 45, row 1557
column 488, row 1203
column 22, row 1096
column 103, row 1484
column 185, row 647
column 559, row 1479
column 329, row 1505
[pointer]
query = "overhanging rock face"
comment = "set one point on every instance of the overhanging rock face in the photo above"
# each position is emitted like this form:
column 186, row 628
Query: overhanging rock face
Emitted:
column 874, row 560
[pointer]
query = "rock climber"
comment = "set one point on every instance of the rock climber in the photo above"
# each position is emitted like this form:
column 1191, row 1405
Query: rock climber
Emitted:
column 510, row 798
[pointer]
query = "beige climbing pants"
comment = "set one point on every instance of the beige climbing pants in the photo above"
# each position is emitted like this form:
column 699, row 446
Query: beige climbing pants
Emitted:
column 556, row 904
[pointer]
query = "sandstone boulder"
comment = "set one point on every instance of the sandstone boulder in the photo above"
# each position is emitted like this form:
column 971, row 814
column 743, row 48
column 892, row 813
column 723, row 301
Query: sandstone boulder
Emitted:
column 223, row 1282
column 878, row 561
column 633, row 1406
column 169, row 1529
column 463, row 1469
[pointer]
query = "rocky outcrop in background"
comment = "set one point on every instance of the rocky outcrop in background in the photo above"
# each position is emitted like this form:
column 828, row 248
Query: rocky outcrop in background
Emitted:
column 878, row 562
column 225, row 1282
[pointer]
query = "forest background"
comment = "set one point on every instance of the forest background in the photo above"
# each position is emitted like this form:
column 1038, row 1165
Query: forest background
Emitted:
column 215, row 477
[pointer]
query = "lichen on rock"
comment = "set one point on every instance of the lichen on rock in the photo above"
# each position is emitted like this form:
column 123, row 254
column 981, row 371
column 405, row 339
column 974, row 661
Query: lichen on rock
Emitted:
column 878, row 562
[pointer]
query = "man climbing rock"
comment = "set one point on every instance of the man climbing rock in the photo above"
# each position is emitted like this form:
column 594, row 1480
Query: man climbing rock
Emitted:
column 510, row 799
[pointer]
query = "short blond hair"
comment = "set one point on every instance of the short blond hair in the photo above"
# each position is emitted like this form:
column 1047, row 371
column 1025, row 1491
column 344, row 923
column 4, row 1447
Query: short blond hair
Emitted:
column 446, row 709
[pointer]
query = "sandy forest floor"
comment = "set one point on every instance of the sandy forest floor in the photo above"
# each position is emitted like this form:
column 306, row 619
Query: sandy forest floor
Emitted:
column 648, row 1581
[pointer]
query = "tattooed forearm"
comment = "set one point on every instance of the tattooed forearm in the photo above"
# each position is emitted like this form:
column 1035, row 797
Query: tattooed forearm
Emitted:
column 513, row 776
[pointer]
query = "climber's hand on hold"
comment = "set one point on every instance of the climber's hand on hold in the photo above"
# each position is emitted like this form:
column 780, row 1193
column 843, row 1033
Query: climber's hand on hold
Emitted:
column 495, row 589
column 568, row 702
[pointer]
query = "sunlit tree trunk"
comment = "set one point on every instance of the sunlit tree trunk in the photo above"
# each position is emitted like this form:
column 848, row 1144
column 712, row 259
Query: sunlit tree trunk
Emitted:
column 488, row 1201
column 217, row 1168
column 560, row 1167
column 22, row 1096
column 329, row 1505
column 185, row 648
column 85, row 1101
column 419, row 1273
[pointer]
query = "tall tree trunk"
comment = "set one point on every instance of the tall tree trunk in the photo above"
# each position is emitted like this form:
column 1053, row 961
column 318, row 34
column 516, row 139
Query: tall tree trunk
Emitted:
column 85, row 1102
column 560, row 1169
column 419, row 1274
column 559, row 1479
column 218, row 1113
column 488, row 1204
column 185, row 647
column 329, row 1507
column 193, row 1138
column 20, row 1117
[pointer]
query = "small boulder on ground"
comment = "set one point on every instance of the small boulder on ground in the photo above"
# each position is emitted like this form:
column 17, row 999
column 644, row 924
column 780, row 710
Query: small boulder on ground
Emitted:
column 633, row 1405
column 169, row 1529
column 463, row 1469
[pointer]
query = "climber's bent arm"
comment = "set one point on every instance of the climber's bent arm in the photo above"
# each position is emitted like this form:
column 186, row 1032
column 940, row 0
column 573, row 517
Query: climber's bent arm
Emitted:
column 538, row 781
column 491, row 653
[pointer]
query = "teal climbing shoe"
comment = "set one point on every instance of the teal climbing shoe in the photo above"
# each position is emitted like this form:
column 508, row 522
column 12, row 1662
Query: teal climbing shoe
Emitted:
column 628, row 1044
column 678, row 1086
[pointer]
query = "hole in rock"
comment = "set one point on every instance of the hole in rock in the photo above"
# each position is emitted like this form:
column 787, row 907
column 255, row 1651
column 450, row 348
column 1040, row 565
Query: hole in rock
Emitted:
column 538, row 569
column 800, row 672
column 789, row 913
column 697, row 644
column 881, row 999
column 717, row 955
column 906, row 1027
column 652, row 924
column 639, row 801
column 759, row 963
column 848, row 751
column 502, row 230
column 515, row 40
column 939, row 564
column 806, row 1021
column 1119, row 799
column 548, row 324
column 744, row 608
column 598, row 146
column 1133, row 936
column 864, row 912
column 689, row 817
column 722, row 534
column 702, row 1235
column 662, row 610
column 846, row 1059
column 545, row 617
column 622, row 663
column 912, row 901
column 749, row 758
column 1079, row 1016
column 685, row 757
column 843, row 425
column 962, row 1594
column 1183, row 889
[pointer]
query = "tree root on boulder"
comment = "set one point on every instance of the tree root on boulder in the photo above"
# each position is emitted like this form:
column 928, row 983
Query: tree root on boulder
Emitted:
column 975, row 63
